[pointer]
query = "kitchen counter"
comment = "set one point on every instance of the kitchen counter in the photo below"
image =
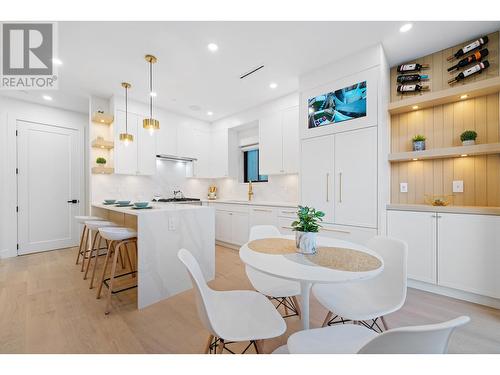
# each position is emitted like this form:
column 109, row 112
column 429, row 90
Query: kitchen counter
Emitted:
column 479, row 210
column 252, row 203
column 161, row 232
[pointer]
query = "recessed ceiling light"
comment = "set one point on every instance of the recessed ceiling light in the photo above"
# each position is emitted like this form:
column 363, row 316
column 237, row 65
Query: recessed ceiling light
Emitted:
column 414, row 107
column 56, row 61
column 212, row 47
column 406, row 27
column 152, row 93
column 210, row 113
column 46, row 97
column 464, row 96
column 273, row 85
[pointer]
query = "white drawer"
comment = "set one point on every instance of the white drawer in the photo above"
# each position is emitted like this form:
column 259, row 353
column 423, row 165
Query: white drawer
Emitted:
column 347, row 233
column 285, row 225
column 230, row 207
column 287, row 212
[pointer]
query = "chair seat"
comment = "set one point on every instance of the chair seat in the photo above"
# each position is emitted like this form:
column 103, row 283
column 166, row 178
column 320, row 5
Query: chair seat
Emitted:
column 83, row 219
column 117, row 233
column 339, row 339
column 244, row 315
column 96, row 224
column 272, row 286
column 355, row 301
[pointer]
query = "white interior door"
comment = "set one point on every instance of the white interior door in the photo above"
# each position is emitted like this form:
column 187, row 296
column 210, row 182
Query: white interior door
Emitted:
column 49, row 160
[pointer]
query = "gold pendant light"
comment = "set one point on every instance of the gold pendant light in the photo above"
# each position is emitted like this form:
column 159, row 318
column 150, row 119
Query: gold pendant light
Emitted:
column 126, row 137
column 151, row 123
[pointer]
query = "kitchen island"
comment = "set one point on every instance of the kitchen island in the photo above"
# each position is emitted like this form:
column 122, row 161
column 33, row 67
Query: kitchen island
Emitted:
column 161, row 232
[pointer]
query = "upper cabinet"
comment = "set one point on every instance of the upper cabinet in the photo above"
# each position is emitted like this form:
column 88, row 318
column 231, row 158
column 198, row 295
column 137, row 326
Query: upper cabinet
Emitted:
column 166, row 138
column 194, row 142
column 279, row 142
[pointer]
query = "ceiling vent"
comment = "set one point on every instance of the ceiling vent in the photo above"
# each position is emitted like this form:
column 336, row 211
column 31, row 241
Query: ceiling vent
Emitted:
column 251, row 71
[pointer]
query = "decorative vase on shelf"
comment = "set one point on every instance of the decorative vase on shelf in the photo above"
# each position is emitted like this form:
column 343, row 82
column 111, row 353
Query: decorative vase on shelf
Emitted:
column 470, row 142
column 306, row 242
column 418, row 145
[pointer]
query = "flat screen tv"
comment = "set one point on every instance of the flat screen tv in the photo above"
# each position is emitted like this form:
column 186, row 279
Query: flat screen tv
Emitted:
column 337, row 106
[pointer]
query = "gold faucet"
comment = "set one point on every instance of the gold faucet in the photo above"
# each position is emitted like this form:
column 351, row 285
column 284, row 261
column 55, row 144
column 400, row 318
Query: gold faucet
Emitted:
column 250, row 191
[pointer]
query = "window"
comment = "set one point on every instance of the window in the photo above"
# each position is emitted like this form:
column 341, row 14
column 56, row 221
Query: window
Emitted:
column 251, row 167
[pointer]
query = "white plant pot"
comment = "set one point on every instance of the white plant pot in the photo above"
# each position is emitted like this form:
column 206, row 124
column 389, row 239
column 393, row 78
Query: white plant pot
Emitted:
column 305, row 242
column 469, row 143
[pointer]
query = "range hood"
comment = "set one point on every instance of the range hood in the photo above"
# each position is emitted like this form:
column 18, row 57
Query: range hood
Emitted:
column 175, row 158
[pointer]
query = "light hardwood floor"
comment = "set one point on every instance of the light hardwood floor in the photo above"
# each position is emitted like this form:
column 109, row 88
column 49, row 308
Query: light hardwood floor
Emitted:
column 46, row 307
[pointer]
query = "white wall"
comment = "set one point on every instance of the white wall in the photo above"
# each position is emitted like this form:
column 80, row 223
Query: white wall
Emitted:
column 279, row 188
column 10, row 110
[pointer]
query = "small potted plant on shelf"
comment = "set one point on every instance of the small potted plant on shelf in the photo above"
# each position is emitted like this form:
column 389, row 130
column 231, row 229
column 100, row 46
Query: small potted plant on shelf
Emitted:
column 306, row 229
column 468, row 137
column 418, row 142
column 101, row 162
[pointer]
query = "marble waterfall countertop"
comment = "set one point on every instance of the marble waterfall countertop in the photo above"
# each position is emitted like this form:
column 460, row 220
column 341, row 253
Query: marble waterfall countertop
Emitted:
column 157, row 206
column 252, row 203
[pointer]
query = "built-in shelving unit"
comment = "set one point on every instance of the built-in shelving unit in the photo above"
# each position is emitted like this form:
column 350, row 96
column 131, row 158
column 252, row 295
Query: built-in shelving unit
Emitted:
column 448, row 152
column 102, row 143
column 102, row 118
column 451, row 95
column 102, row 170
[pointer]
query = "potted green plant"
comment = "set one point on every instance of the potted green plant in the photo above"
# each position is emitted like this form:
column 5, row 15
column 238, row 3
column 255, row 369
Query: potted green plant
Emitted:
column 306, row 228
column 468, row 137
column 100, row 161
column 418, row 142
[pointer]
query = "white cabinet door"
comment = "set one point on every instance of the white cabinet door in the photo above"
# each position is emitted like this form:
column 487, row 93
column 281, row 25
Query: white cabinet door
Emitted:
column 291, row 146
column 316, row 180
column 263, row 215
column 270, row 145
column 356, row 178
column 201, row 151
column 146, row 149
column 223, row 231
column 125, row 155
column 219, row 162
column 166, row 138
column 239, row 222
column 469, row 253
column 418, row 230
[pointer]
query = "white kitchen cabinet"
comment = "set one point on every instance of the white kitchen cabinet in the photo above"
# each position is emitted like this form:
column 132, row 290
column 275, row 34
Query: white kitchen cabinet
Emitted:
column 166, row 138
column 316, row 182
column 271, row 144
column 263, row 215
column 347, row 233
column 356, row 178
column 279, row 142
column 146, row 150
column 223, row 226
column 418, row 230
column 240, row 228
column 291, row 145
column 285, row 225
column 193, row 142
column 219, row 158
column 469, row 253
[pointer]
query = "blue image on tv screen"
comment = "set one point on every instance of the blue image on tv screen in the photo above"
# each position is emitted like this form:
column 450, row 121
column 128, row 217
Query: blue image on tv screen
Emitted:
column 337, row 106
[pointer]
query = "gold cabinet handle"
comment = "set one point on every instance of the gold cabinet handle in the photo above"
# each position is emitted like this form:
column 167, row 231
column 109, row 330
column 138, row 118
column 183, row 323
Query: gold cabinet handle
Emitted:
column 288, row 212
column 286, row 227
column 262, row 210
column 328, row 187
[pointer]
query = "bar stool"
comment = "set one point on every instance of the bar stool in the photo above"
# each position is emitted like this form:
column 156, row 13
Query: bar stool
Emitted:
column 95, row 225
column 118, row 238
column 84, row 237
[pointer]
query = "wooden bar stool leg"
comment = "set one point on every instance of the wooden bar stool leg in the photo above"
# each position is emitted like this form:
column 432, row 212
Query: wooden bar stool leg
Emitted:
column 126, row 248
column 111, row 248
column 112, row 277
column 95, row 264
column 97, row 239
column 134, row 257
column 87, row 251
column 84, row 231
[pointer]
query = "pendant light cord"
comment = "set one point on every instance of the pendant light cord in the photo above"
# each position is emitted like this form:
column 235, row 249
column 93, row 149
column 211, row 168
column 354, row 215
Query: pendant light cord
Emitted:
column 126, row 109
column 151, row 90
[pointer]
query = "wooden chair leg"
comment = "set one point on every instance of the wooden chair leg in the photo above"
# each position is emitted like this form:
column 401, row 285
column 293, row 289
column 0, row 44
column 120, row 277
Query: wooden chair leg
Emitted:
column 88, row 255
column 81, row 244
column 105, row 267
column 209, row 342
column 112, row 277
column 259, row 346
column 95, row 264
column 327, row 319
column 384, row 323
column 94, row 249
column 297, row 306
column 220, row 348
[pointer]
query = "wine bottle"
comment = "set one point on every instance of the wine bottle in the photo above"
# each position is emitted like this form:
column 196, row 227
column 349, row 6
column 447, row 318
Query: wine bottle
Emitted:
column 469, row 48
column 411, row 88
column 412, row 78
column 407, row 68
column 476, row 56
column 478, row 68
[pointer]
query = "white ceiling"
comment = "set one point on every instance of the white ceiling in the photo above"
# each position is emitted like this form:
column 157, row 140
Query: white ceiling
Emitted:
column 97, row 56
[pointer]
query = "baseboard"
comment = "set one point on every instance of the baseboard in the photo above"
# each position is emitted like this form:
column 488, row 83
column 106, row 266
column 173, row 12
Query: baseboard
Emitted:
column 455, row 293
column 6, row 253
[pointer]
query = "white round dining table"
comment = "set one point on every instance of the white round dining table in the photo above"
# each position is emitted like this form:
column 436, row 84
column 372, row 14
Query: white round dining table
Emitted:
column 299, row 268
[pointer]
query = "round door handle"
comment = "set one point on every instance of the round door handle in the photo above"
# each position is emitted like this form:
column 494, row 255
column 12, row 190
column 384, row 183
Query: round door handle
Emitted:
column 74, row 201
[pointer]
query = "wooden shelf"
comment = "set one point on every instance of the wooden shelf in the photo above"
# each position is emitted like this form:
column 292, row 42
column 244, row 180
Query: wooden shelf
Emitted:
column 102, row 118
column 102, row 143
column 482, row 210
column 102, row 170
column 448, row 152
column 472, row 90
